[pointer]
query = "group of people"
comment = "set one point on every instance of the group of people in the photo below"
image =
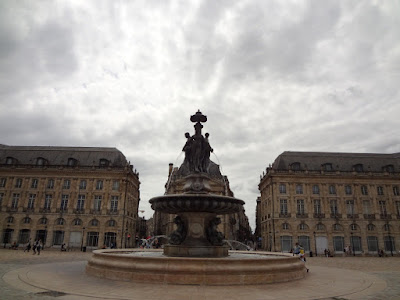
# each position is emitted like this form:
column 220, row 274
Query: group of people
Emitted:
column 36, row 247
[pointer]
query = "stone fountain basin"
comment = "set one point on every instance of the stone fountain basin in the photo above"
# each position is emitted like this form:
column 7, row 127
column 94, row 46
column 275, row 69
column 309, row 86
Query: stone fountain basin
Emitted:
column 179, row 203
column 239, row 268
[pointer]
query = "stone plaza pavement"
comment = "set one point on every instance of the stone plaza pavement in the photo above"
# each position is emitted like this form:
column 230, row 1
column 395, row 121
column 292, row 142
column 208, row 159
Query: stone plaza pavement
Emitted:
column 61, row 275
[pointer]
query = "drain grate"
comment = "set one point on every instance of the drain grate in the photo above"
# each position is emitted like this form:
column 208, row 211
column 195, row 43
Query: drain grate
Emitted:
column 51, row 294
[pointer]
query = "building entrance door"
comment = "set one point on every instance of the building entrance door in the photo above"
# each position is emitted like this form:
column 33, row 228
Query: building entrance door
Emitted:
column 322, row 244
column 75, row 239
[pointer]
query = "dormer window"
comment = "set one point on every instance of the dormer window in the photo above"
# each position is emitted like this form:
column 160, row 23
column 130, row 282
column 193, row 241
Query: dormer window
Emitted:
column 10, row 160
column 104, row 162
column 295, row 166
column 358, row 168
column 72, row 162
column 327, row 167
column 40, row 161
column 389, row 168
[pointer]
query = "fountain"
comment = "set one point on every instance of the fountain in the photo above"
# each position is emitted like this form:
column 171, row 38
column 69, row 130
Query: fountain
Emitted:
column 197, row 253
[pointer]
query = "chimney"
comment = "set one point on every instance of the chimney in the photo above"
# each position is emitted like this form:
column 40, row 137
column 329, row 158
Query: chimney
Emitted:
column 170, row 169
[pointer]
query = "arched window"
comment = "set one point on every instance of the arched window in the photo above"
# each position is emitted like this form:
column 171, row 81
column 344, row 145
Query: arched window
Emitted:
column 43, row 221
column 10, row 160
column 386, row 227
column 370, row 227
column 295, row 166
column 60, row 221
column 40, row 161
column 353, row 226
column 26, row 220
column 389, row 168
column 77, row 222
column 327, row 167
column 94, row 222
column 337, row 227
column 10, row 220
column 320, row 227
column 111, row 223
column 104, row 162
column 303, row 226
column 285, row 226
column 72, row 162
column 358, row 168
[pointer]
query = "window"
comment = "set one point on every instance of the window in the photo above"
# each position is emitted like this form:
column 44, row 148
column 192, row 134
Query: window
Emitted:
column 332, row 190
column 18, row 183
column 283, row 206
column 26, row 220
column 367, row 207
column 115, row 185
column 338, row 244
column 64, row 202
column 82, row 185
column 295, row 166
column 372, row 242
column 303, row 226
column 396, row 190
column 282, row 188
column 327, row 167
column 382, row 207
column 320, row 226
column 97, row 203
column 350, row 207
column 24, row 236
column 347, row 190
column 398, row 208
column 114, row 203
column 337, row 227
column 353, row 227
column 315, row 189
column 334, row 207
column 14, row 203
column 3, row 182
column 92, row 239
column 72, row 162
column 300, row 207
column 43, row 221
column 110, row 238
column 34, row 184
column 358, row 168
column 370, row 227
column 285, row 226
column 10, row 161
column 77, row 222
column 67, row 184
column 60, row 221
column 40, row 161
column 355, row 242
column 31, row 201
column 111, row 223
column 299, row 189
column 47, row 201
column 50, row 184
column 317, row 206
column 81, row 203
column 389, row 168
column 10, row 220
column 104, row 162
column 389, row 243
column 94, row 222
column 364, row 190
column 386, row 227
column 286, row 243
column 379, row 190
column 99, row 185
column 304, row 241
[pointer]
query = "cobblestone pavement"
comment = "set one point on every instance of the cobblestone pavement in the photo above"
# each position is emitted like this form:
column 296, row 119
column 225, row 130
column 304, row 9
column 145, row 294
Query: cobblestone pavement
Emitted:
column 383, row 274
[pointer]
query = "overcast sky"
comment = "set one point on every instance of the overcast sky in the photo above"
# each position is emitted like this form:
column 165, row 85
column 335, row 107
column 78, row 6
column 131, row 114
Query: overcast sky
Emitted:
column 271, row 76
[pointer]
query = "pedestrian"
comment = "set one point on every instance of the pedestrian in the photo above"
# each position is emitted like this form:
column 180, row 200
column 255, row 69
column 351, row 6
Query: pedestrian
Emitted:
column 34, row 248
column 302, row 256
column 28, row 246
column 39, row 246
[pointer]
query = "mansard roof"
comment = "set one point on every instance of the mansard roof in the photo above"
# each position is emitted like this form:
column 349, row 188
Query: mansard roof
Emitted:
column 83, row 156
column 315, row 161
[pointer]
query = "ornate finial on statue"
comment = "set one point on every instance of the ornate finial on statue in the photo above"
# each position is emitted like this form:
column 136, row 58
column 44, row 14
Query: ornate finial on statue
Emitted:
column 198, row 117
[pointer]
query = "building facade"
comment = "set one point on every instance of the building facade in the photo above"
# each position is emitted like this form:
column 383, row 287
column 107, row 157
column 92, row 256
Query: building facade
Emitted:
column 80, row 197
column 333, row 201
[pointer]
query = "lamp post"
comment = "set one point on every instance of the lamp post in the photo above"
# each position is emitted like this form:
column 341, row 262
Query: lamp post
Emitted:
column 352, row 244
column 390, row 237
column 315, row 243
column 83, row 232
column 6, row 235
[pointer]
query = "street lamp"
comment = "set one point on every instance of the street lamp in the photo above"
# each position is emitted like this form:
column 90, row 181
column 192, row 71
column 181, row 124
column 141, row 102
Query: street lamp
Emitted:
column 315, row 243
column 352, row 244
column 83, row 232
column 389, row 236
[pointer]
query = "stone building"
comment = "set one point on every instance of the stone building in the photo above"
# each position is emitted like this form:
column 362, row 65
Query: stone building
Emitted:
column 233, row 226
column 83, row 197
column 332, row 201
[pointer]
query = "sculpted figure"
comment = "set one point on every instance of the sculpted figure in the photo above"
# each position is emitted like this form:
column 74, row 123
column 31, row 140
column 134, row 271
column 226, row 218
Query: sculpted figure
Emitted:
column 215, row 237
column 179, row 235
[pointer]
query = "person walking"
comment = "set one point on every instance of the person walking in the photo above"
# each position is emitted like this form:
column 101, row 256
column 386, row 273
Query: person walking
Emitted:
column 34, row 247
column 39, row 246
column 28, row 246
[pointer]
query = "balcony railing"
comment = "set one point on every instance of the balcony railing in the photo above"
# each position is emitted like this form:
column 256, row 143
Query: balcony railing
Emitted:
column 62, row 210
column 12, row 209
column 336, row 216
column 95, row 212
column 352, row 216
column 304, row 215
column 287, row 215
column 369, row 217
column 79, row 211
column 319, row 216
column 386, row 216
column 112, row 212
column 28, row 209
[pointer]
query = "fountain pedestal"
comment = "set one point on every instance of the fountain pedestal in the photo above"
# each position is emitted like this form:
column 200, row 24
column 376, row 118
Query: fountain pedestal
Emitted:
column 196, row 243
